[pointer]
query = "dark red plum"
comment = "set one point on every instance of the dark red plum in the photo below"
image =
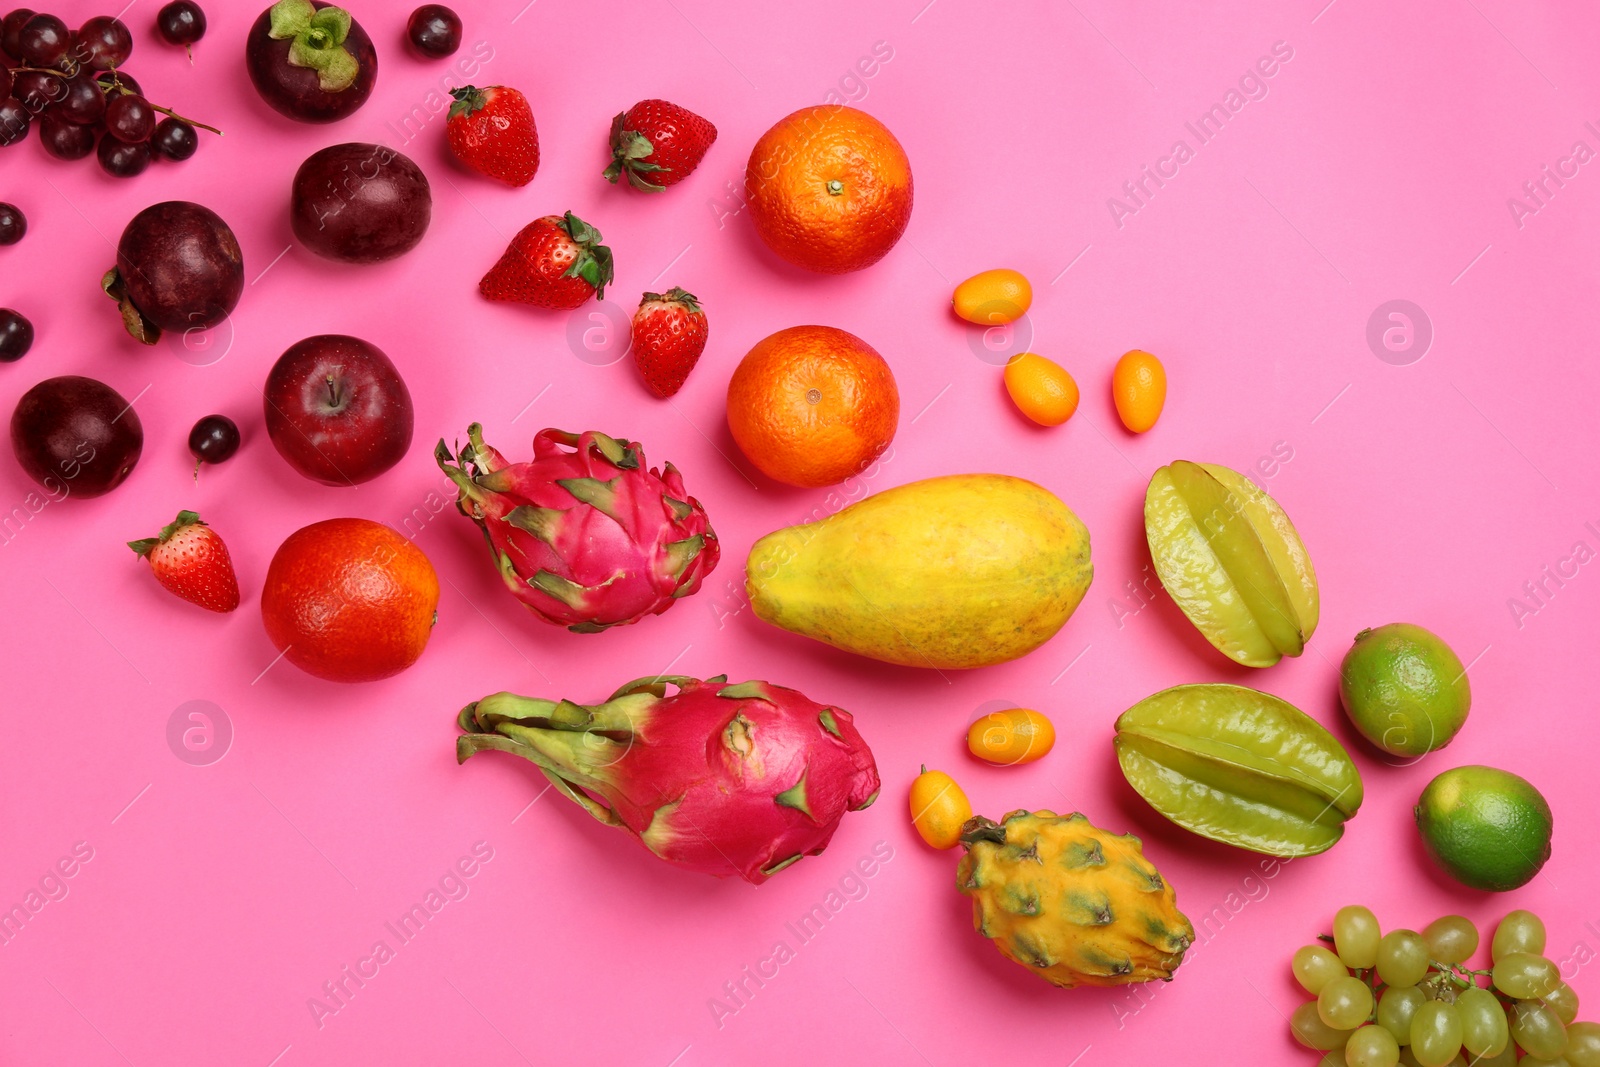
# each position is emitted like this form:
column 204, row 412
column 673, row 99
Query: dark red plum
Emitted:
column 310, row 61
column 179, row 267
column 360, row 203
column 337, row 409
column 76, row 436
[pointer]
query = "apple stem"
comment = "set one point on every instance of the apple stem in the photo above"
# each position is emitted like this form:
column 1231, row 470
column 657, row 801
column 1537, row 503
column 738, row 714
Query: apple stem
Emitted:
column 333, row 392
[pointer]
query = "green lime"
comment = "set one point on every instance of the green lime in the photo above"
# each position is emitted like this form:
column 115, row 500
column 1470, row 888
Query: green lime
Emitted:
column 1487, row 828
column 1404, row 689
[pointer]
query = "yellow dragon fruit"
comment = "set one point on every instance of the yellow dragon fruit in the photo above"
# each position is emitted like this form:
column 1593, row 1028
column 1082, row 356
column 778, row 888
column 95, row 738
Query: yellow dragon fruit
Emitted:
column 1071, row 902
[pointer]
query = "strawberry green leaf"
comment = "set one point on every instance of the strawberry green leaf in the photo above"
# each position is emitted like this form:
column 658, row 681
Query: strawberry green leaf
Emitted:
column 636, row 178
column 635, row 145
column 593, row 263
column 469, row 99
column 146, row 545
column 579, row 230
column 690, row 302
column 629, row 152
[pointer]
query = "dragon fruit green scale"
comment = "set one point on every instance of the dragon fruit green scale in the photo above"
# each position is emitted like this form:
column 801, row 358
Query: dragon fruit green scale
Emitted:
column 584, row 534
column 726, row 779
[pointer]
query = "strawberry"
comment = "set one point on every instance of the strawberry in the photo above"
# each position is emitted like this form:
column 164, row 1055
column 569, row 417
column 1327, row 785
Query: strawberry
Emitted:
column 657, row 144
column 669, row 333
column 491, row 130
column 191, row 562
column 553, row 262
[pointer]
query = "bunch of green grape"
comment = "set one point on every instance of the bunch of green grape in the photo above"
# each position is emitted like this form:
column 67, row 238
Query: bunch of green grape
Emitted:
column 1407, row 998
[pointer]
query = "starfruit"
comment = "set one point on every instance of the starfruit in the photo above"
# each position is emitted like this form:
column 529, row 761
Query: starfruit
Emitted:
column 1239, row 766
column 1231, row 560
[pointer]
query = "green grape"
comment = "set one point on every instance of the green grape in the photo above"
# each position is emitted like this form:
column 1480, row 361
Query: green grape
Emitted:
column 1372, row 1046
column 1506, row 1057
column 1315, row 966
column 1539, row 1061
column 1334, row 1058
column 1483, row 1022
column 1344, row 1003
column 1563, row 1000
column 1395, row 1009
column 1406, row 1058
column 1583, row 1044
column 1402, row 958
column 1435, row 1033
column 1451, row 939
column 1524, row 976
column 1312, row 1032
column 1520, row 931
column 1355, row 935
column 1537, row 1029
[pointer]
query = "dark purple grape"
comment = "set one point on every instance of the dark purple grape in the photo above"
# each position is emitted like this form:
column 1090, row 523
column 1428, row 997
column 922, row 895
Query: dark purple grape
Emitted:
column 122, row 159
column 181, row 22
column 105, row 80
column 83, row 103
column 129, row 117
column 11, row 30
column 103, row 42
column 5, row 81
column 13, row 224
column 37, row 90
column 214, row 439
column 174, row 139
column 65, row 139
column 44, row 41
column 16, row 335
column 434, row 31
column 14, row 121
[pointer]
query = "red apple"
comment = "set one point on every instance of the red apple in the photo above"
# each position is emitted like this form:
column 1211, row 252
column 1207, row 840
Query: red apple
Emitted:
column 337, row 409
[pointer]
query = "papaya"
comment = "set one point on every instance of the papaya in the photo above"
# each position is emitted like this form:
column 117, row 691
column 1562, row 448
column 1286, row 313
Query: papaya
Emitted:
column 965, row 570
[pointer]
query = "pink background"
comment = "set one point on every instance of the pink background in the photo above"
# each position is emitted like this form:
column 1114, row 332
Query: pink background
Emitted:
column 220, row 898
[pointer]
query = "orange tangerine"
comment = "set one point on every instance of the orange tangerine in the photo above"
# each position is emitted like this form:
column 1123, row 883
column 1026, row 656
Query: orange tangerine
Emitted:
column 1041, row 389
column 1015, row 735
column 812, row 405
column 829, row 189
column 993, row 297
column 1139, row 387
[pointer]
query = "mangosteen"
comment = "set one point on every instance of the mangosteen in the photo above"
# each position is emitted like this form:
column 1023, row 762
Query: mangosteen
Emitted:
column 76, row 436
column 310, row 61
column 179, row 267
column 360, row 203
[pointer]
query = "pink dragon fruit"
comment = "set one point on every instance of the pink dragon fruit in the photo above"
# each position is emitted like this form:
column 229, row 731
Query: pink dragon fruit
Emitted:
column 585, row 535
column 727, row 779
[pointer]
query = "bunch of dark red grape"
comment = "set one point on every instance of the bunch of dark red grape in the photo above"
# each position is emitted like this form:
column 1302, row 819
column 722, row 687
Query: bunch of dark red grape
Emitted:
column 70, row 84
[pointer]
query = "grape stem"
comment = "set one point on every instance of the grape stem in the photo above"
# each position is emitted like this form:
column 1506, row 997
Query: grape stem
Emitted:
column 116, row 83
column 1458, row 974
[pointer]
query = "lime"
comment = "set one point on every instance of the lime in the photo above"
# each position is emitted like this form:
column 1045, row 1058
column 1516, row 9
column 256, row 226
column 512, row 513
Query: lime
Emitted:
column 1487, row 828
column 1404, row 689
